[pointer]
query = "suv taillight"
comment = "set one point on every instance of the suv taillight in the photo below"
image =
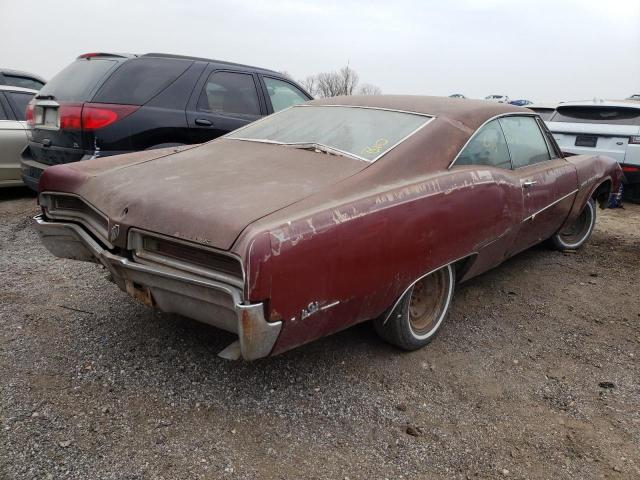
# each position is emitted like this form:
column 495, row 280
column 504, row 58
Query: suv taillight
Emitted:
column 91, row 116
column 28, row 114
column 70, row 116
column 635, row 140
column 99, row 115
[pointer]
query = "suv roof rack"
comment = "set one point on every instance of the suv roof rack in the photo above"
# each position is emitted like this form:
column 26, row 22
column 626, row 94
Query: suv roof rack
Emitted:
column 222, row 62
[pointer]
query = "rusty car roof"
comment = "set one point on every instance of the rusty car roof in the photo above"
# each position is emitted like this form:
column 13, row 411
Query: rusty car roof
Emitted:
column 471, row 113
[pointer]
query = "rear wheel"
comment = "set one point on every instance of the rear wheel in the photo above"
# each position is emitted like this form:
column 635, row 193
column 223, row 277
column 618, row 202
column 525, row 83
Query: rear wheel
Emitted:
column 419, row 313
column 576, row 235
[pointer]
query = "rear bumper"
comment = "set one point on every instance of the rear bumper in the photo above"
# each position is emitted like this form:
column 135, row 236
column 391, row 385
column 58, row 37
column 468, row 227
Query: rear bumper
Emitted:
column 631, row 177
column 171, row 290
column 31, row 168
column 31, row 171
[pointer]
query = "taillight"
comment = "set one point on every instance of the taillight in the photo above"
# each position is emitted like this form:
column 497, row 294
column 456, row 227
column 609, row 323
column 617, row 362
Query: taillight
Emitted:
column 91, row 116
column 634, row 140
column 99, row 115
column 629, row 168
column 70, row 116
column 28, row 114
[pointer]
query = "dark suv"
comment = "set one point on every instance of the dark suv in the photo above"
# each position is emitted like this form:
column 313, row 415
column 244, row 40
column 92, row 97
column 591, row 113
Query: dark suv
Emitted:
column 106, row 104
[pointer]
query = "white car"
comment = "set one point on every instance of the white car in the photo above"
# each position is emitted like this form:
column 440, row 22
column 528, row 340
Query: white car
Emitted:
column 610, row 128
column 497, row 98
column 13, row 132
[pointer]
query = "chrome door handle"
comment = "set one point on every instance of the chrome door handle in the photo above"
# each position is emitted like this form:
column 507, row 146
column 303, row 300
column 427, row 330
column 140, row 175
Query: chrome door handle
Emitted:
column 529, row 183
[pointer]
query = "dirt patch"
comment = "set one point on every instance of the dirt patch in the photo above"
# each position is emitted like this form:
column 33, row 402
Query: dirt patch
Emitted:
column 534, row 375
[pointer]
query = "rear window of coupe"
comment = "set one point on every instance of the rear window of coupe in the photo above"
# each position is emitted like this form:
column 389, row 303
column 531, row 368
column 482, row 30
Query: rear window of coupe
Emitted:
column 361, row 132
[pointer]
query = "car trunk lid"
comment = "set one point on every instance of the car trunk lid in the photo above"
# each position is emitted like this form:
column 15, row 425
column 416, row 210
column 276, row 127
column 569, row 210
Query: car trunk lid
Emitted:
column 208, row 194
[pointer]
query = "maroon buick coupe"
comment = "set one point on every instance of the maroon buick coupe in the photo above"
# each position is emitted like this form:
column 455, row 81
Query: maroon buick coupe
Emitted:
column 327, row 214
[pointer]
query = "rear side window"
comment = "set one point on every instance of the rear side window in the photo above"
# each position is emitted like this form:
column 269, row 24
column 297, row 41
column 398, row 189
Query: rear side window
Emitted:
column 77, row 80
column 487, row 147
column 526, row 143
column 139, row 80
column 24, row 82
column 283, row 94
column 615, row 115
column 3, row 116
column 230, row 92
column 19, row 102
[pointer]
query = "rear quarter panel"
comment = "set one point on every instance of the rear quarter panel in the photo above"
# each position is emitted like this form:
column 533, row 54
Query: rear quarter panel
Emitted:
column 356, row 257
column 593, row 171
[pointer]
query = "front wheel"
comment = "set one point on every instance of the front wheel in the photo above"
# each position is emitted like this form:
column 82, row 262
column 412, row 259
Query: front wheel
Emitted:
column 419, row 313
column 576, row 235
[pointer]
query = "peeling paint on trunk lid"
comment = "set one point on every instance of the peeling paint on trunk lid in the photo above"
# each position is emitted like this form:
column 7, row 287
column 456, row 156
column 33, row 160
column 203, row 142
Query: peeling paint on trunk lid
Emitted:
column 211, row 193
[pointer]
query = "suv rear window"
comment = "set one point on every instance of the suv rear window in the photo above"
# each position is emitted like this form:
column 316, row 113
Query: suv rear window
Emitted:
column 19, row 102
column 615, row 115
column 77, row 80
column 24, row 82
column 139, row 80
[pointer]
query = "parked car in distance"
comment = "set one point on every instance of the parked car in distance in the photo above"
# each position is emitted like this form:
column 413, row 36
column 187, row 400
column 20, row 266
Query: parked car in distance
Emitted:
column 327, row 214
column 545, row 110
column 17, row 78
column 107, row 104
column 634, row 97
column 457, row 95
column 521, row 103
column 601, row 127
column 497, row 98
column 13, row 132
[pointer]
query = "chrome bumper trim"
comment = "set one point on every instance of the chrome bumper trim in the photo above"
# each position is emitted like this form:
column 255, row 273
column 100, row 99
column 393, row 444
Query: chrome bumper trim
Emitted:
column 168, row 289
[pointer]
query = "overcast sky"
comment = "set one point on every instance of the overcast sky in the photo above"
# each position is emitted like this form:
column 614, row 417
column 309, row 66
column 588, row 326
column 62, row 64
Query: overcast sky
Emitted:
column 544, row 50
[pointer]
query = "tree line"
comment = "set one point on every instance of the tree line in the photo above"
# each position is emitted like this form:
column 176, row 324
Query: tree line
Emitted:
column 341, row 82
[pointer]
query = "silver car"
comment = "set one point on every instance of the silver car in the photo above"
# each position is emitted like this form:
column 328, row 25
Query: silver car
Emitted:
column 13, row 132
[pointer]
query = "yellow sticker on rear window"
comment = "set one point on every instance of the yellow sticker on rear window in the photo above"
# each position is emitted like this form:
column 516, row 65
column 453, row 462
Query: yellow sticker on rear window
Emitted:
column 376, row 148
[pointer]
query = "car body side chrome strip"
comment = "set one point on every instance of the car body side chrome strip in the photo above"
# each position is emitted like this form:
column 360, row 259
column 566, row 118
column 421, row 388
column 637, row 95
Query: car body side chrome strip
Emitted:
column 532, row 216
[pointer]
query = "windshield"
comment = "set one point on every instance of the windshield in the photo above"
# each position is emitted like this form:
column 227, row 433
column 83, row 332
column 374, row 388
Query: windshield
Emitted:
column 364, row 133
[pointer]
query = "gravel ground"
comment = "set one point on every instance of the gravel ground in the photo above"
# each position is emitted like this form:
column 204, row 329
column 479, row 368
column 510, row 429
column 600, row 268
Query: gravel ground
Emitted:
column 534, row 375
